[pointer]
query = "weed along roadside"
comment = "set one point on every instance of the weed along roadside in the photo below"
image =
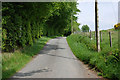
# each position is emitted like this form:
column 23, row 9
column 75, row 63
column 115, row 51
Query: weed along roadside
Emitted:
column 13, row 62
column 106, row 62
column 23, row 25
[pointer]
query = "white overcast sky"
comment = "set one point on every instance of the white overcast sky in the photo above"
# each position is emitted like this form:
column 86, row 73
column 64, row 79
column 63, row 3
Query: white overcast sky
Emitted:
column 107, row 11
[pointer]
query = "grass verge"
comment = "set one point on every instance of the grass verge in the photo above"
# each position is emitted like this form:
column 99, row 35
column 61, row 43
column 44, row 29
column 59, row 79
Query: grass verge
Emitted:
column 107, row 62
column 13, row 62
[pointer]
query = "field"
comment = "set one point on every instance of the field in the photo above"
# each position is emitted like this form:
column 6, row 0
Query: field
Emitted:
column 106, row 62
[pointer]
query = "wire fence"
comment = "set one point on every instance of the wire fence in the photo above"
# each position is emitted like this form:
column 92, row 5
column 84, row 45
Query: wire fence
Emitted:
column 111, row 37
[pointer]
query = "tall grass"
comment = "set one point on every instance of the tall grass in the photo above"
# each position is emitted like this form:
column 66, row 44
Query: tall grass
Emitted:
column 0, row 53
column 12, row 62
column 107, row 62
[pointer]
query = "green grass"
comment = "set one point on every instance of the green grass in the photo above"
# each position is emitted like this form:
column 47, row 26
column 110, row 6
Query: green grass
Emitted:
column 0, row 36
column 0, row 66
column 107, row 62
column 13, row 62
column 0, row 53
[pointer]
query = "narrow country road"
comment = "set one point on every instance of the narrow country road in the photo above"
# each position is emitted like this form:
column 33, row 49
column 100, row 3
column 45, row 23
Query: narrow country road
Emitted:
column 55, row 60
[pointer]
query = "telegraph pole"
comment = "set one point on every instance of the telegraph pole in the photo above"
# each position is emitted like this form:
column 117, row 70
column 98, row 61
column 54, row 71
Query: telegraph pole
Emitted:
column 97, row 27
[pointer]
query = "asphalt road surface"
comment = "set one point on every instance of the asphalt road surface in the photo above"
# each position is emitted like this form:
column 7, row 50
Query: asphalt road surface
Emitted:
column 55, row 60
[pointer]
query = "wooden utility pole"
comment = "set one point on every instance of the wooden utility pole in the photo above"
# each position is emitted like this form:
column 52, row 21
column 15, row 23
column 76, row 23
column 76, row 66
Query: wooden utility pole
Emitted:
column 96, row 26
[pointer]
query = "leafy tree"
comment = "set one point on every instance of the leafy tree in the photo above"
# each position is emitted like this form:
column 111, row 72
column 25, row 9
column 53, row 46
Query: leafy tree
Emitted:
column 85, row 28
column 25, row 22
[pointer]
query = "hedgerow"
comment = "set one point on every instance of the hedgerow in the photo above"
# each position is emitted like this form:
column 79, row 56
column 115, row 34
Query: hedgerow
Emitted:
column 107, row 62
column 23, row 23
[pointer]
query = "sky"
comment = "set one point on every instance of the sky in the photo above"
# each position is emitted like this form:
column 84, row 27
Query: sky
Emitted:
column 107, row 11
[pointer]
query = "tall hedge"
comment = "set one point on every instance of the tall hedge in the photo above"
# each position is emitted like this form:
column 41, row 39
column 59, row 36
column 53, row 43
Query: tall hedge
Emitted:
column 23, row 23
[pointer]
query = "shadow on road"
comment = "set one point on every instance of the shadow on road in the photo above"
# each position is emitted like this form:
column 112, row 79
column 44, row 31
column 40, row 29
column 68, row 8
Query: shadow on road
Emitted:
column 32, row 73
column 61, row 56
column 48, row 47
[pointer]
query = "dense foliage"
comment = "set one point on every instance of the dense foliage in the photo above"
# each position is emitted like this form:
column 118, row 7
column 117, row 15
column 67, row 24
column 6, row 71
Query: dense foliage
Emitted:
column 12, row 63
column 85, row 28
column 107, row 62
column 23, row 23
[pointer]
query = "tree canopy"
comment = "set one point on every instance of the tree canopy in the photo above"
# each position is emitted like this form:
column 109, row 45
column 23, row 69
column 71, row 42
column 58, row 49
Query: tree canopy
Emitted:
column 24, row 22
column 85, row 28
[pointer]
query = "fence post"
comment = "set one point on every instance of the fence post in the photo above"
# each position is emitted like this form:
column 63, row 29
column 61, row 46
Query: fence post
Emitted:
column 119, row 39
column 95, row 35
column 110, row 39
column 101, row 36
column 90, row 34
